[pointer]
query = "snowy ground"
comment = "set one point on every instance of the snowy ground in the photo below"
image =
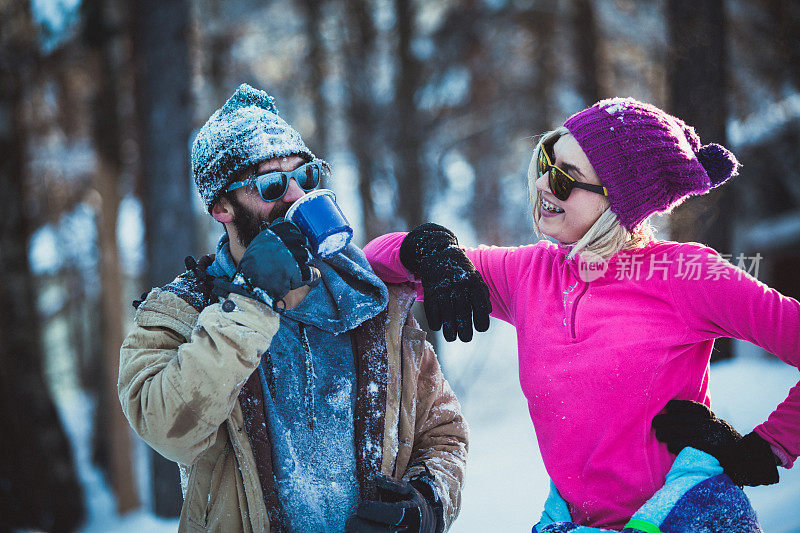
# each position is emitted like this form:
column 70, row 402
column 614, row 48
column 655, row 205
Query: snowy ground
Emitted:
column 506, row 482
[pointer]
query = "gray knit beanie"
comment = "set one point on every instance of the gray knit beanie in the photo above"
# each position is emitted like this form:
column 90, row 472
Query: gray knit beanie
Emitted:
column 244, row 132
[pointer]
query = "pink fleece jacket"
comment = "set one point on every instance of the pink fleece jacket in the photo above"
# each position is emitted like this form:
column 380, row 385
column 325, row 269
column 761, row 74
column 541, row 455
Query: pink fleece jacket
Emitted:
column 598, row 359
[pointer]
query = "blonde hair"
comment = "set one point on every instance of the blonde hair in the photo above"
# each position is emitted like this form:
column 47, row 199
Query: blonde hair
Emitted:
column 607, row 236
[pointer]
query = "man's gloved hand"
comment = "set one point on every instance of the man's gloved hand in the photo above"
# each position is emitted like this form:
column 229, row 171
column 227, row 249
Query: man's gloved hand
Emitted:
column 747, row 460
column 276, row 262
column 455, row 294
column 401, row 507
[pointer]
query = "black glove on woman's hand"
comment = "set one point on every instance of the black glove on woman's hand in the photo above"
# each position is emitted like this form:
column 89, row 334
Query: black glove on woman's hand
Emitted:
column 455, row 294
column 401, row 507
column 747, row 460
column 276, row 261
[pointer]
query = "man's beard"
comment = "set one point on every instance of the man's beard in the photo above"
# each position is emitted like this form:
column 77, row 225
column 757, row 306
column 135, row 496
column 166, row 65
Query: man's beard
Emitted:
column 248, row 224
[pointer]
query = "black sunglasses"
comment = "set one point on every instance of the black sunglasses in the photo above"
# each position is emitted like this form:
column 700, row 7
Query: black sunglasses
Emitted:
column 561, row 183
column 273, row 185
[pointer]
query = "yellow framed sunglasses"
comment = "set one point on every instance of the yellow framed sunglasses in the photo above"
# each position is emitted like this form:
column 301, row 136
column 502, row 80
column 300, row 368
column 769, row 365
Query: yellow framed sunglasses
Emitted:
column 561, row 183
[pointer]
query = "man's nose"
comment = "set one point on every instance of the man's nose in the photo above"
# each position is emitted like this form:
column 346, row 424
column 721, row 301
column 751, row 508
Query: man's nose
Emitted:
column 293, row 192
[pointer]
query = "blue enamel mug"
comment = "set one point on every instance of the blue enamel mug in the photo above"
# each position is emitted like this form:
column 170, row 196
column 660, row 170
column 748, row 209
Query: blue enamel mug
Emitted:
column 322, row 221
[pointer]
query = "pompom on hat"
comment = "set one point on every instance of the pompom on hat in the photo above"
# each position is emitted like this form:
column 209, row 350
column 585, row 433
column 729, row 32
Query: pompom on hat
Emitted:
column 648, row 160
column 244, row 132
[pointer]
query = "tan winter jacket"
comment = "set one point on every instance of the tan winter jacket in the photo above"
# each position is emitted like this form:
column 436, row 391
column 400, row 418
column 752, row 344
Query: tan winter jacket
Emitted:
column 181, row 373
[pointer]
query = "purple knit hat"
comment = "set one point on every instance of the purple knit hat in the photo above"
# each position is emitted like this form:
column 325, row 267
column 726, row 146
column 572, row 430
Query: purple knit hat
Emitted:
column 648, row 160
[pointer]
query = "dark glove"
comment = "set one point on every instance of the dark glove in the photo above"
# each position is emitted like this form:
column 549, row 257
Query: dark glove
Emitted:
column 297, row 244
column 275, row 262
column 747, row 460
column 407, row 506
column 455, row 294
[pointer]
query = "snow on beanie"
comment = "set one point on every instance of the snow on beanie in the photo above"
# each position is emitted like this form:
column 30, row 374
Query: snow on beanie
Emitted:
column 648, row 160
column 244, row 132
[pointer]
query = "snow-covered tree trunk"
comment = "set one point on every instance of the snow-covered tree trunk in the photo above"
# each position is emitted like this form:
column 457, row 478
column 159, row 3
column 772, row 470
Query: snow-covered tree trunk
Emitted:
column 784, row 37
column 164, row 106
column 316, row 72
column 697, row 75
column 111, row 424
column 359, row 60
column 39, row 488
column 413, row 195
column 587, row 50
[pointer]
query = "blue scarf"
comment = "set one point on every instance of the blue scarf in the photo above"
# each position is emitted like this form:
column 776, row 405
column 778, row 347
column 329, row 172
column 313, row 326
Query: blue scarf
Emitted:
column 308, row 377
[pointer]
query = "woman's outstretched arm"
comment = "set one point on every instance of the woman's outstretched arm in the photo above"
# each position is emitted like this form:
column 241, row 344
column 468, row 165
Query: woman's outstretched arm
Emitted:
column 431, row 254
column 728, row 302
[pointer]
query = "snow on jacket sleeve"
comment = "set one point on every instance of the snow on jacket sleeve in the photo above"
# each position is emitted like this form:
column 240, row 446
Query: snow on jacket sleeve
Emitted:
column 497, row 266
column 179, row 381
column 440, row 435
column 717, row 299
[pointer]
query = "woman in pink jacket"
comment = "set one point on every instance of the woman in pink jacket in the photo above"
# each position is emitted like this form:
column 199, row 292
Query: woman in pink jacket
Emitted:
column 611, row 323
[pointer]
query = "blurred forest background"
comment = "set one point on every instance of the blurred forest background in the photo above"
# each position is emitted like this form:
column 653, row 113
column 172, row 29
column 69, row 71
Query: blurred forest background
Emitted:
column 426, row 109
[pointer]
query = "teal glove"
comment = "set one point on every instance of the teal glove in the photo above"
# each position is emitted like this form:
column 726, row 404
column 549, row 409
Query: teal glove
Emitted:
column 276, row 262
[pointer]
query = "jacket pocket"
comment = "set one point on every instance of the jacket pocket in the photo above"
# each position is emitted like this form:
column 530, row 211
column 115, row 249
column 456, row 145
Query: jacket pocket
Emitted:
column 412, row 348
column 205, row 484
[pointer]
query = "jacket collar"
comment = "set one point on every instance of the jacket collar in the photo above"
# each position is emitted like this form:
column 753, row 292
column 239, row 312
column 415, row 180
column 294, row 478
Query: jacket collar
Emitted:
column 349, row 294
column 223, row 265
